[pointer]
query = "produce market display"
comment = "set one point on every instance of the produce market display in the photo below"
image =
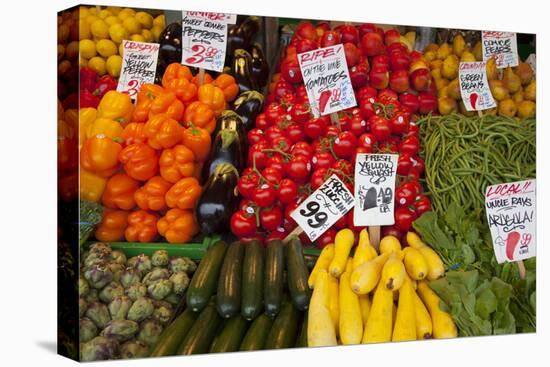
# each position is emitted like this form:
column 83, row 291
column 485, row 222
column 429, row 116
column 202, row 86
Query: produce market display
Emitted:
column 219, row 192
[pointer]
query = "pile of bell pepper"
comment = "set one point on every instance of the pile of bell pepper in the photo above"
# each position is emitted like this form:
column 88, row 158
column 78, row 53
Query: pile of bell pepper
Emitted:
column 93, row 88
column 143, row 162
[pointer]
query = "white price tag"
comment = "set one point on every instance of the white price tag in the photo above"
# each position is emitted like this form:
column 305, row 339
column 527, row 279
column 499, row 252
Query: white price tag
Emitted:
column 204, row 42
column 511, row 214
column 139, row 65
column 474, row 87
column 323, row 207
column 375, row 189
column 532, row 61
column 503, row 46
column 327, row 81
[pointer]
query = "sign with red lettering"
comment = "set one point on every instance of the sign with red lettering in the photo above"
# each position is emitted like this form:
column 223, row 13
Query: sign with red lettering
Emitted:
column 139, row 65
column 327, row 80
column 204, row 41
column 323, row 208
column 218, row 17
column 503, row 46
column 511, row 215
column 474, row 87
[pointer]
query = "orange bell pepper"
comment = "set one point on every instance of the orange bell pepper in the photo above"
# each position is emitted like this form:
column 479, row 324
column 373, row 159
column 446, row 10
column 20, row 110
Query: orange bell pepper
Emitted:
column 176, row 163
column 176, row 71
column 140, row 161
column 91, row 186
column 110, row 128
column 167, row 103
column 207, row 79
column 151, row 195
column 145, row 98
column 86, row 117
column 162, row 131
column 142, row 226
column 198, row 141
column 116, row 106
column 185, row 90
column 201, row 115
column 184, row 193
column 178, row 226
column 112, row 226
column 119, row 192
column 228, row 85
column 213, row 97
column 133, row 133
column 99, row 155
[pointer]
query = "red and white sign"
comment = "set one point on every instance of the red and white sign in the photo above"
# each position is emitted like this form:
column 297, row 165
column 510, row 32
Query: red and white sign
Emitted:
column 474, row 87
column 511, row 215
column 218, row 17
column 503, row 46
column 139, row 65
column 327, row 81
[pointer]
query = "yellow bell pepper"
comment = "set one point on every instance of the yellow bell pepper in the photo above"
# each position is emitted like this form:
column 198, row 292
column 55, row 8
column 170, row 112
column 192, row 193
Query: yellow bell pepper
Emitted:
column 116, row 106
column 91, row 186
column 110, row 128
column 86, row 117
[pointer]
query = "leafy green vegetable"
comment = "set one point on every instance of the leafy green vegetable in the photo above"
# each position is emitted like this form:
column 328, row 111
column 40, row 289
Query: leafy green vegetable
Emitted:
column 90, row 216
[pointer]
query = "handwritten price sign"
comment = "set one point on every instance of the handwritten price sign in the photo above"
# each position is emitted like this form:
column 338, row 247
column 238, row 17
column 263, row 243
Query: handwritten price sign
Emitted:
column 474, row 87
column 218, row 17
column 374, row 189
column 323, row 208
column 511, row 214
column 204, row 40
column 503, row 46
column 139, row 65
column 327, row 81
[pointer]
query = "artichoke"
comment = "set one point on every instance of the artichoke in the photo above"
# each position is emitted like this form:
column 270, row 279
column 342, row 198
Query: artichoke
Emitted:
column 98, row 276
column 180, row 281
column 99, row 348
column 149, row 332
column 100, row 247
column 83, row 287
column 119, row 307
column 98, row 313
column 111, row 291
column 185, row 264
column 141, row 309
column 136, row 291
column 118, row 257
column 160, row 258
column 82, row 306
column 92, row 296
column 88, row 330
column 117, row 270
column 141, row 262
column 173, row 299
column 160, row 289
column 155, row 275
column 99, row 254
column 162, row 314
column 130, row 276
column 134, row 349
column 120, row 330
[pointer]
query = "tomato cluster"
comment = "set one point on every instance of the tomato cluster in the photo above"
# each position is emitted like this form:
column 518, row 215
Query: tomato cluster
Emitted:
column 291, row 152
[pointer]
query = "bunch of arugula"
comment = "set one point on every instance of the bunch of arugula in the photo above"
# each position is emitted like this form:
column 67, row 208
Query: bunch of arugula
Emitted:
column 484, row 297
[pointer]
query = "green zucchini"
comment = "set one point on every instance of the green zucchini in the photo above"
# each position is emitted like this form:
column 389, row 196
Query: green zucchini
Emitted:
column 204, row 281
column 228, row 298
column 257, row 333
column 273, row 279
column 297, row 274
column 203, row 331
column 172, row 337
column 284, row 329
column 302, row 339
column 231, row 335
column 253, row 276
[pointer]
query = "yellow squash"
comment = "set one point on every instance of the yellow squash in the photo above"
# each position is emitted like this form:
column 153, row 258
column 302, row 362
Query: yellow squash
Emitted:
column 320, row 328
column 365, row 304
column 323, row 261
column 364, row 251
column 365, row 278
column 351, row 323
column 379, row 323
column 436, row 269
column 442, row 323
column 343, row 243
column 405, row 321
column 415, row 263
column 423, row 319
column 333, row 302
column 393, row 273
